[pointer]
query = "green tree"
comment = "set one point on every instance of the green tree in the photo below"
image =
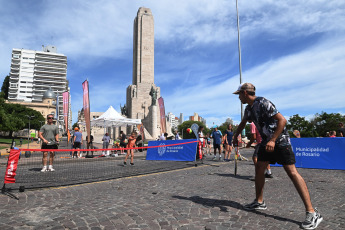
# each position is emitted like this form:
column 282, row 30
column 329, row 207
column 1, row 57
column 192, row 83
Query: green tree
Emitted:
column 75, row 125
column 14, row 117
column 187, row 124
column 5, row 86
column 299, row 123
column 326, row 122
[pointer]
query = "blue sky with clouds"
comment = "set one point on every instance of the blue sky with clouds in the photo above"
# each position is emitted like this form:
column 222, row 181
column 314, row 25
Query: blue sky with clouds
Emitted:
column 292, row 51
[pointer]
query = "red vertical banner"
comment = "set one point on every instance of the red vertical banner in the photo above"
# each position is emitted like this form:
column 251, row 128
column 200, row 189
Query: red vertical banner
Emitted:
column 162, row 115
column 12, row 166
column 86, row 107
column 65, row 106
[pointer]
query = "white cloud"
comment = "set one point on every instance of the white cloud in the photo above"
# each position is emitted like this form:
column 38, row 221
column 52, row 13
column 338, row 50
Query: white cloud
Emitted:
column 310, row 80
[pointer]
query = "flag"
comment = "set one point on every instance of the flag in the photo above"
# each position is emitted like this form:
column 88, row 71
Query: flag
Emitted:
column 65, row 106
column 86, row 107
column 162, row 115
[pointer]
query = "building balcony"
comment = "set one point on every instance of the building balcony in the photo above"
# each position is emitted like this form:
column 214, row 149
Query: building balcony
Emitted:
column 10, row 92
column 53, row 60
column 43, row 89
column 50, row 56
column 55, row 66
column 45, row 78
column 45, row 81
column 50, row 71
column 62, row 62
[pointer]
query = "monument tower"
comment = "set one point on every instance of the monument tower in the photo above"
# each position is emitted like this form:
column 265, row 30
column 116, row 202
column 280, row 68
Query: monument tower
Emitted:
column 140, row 105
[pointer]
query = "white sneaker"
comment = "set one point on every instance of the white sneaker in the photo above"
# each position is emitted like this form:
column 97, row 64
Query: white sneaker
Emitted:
column 312, row 220
column 44, row 169
column 50, row 169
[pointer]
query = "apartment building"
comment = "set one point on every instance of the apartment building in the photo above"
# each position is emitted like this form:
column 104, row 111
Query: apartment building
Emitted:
column 34, row 72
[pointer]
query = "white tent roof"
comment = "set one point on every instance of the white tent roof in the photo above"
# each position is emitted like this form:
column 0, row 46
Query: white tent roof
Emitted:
column 111, row 113
column 111, row 118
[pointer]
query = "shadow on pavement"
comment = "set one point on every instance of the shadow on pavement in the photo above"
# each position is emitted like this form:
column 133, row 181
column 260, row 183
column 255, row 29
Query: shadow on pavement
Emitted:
column 232, row 175
column 223, row 204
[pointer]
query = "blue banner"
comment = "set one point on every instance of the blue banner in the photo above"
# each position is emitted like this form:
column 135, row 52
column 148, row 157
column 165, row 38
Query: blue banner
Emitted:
column 172, row 150
column 319, row 153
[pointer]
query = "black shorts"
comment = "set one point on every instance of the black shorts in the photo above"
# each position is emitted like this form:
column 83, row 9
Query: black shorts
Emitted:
column 45, row 146
column 282, row 155
column 216, row 146
column 256, row 150
column 123, row 144
column 76, row 145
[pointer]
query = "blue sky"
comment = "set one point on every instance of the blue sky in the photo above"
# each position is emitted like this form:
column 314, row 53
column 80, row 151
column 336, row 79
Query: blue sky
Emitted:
column 292, row 51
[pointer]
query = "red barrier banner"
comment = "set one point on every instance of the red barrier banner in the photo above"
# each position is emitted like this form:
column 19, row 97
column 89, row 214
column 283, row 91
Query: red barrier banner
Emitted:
column 86, row 107
column 12, row 166
column 162, row 115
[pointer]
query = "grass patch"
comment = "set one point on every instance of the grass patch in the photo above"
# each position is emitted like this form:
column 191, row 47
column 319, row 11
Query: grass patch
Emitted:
column 6, row 142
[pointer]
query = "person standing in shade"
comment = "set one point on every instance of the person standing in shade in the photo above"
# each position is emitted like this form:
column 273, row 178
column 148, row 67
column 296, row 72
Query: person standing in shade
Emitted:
column 217, row 141
column 177, row 137
column 275, row 147
column 201, row 139
column 341, row 129
column 77, row 142
column 122, row 141
column 208, row 143
column 89, row 144
column 106, row 141
column 49, row 134
column 228, row 142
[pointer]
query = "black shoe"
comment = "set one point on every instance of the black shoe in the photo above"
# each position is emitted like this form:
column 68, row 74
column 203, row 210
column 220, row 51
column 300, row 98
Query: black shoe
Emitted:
column 132, row 164
column 255, row 205
column 124, row 163
column 268, row 175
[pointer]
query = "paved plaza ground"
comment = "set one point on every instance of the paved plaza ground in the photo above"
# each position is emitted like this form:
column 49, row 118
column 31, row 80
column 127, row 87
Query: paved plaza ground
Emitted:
column 205, row 197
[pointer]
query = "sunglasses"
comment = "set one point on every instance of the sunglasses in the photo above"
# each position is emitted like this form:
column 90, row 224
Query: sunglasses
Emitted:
column 50, row 118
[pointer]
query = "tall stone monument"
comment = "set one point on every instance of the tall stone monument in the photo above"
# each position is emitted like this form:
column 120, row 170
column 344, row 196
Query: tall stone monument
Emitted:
column 141, row 100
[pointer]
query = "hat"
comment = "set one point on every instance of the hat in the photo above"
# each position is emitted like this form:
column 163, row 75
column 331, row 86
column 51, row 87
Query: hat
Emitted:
column 76, row 129
column 245, row 86
column 215, row 126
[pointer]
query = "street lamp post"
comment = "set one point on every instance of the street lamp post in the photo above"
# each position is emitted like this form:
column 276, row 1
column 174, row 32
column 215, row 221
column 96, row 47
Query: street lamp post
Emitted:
column 239, row 52
column 30, row 117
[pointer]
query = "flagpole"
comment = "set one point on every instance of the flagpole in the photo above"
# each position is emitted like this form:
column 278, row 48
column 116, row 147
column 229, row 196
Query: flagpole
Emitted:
column 239, row 52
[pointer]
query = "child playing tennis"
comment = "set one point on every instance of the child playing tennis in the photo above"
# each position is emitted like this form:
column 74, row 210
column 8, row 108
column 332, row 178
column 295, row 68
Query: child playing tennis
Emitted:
column 130, row 145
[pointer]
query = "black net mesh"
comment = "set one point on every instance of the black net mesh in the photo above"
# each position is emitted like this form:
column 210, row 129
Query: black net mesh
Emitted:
column 69, row 171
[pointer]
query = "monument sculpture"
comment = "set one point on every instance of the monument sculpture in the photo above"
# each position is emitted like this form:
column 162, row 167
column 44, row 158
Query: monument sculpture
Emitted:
column 123, row 110
column 153, row 94
column 138, row 101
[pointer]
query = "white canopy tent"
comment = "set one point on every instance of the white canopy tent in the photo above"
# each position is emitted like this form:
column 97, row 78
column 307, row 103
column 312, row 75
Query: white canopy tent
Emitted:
column 111, row 118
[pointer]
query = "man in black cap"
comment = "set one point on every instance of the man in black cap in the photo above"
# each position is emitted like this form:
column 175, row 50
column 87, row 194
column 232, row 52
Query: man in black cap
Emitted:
column 275, row 148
